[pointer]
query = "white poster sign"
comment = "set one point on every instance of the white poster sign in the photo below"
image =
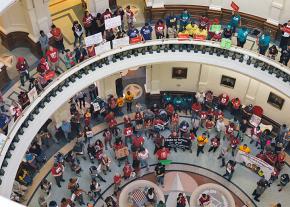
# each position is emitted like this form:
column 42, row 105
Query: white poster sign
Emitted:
column 102, row 48
column 120, row 42
column 93, row 39
column 3, row 139
column 253, row 162
column 32, row 94
column 113, row 22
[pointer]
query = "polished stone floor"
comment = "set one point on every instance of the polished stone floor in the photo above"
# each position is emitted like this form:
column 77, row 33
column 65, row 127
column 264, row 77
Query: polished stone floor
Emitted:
column 243, row 177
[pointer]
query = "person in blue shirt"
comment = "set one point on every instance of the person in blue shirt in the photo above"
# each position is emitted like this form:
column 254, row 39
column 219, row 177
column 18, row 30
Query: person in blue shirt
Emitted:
column 184, row 20
column 235, row 21
column 146, row 32
column 133, row 32
column 264, row 42
column 242, row 36
column 4, row 121
column 171, row 21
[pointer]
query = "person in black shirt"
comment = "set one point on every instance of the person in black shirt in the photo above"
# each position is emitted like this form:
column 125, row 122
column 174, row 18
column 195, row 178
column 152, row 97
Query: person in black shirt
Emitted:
column 95, row 188
column 284, row 180
column 160, row 173
column 228, row 32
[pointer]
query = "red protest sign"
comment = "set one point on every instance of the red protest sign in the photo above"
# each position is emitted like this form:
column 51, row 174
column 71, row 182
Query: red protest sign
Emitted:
column 199, row 37
column 235, row 6
column 135, row 40
column 182, row 36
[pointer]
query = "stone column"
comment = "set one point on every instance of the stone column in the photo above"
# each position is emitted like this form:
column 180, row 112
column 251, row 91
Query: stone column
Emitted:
column 148, row 79
column 31, row 19
column 97, row 6
column 43, row 15
column 203, row 78
column 251, row 93
column 275, row 12
column 157, row 3
column 101, row 88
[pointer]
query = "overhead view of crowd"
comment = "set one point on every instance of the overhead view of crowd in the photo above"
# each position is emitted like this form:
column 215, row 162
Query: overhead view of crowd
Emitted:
column 215, row 124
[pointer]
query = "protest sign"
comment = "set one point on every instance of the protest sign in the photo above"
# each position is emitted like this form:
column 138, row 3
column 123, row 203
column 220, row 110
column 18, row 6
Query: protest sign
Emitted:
column 179, row 142
column 102, row 48
column 113, row 22
column 234, row 6
column 120, row 42
column 32, row 94
column 215, row 28
column 93, row 39
column 226, row 43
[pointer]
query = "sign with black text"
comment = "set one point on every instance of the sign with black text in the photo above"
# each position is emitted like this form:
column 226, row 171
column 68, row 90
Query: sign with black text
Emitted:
column 179, row 142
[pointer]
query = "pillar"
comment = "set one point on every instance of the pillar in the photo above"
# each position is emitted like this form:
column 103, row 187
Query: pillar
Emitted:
column 251, row 93
column 148, row 79
column 31, row 19
column 203, row 78
column 101, row 88
column 97, row 6
column 275, row 11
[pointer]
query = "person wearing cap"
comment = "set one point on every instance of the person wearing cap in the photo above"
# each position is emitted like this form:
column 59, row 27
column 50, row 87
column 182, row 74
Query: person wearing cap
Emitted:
column 264, row 42
column 53, row 58
column 22, row 68
column 235, row 21
column 146, row 32
column 242, row 36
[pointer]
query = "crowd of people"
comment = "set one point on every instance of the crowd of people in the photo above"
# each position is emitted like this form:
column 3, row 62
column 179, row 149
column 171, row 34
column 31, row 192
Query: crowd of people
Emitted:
column 207, row 127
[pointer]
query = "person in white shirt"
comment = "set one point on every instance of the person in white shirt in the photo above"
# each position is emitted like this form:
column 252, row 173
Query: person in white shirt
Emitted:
column 220, row 126
column 143, row 156
column 285, row 35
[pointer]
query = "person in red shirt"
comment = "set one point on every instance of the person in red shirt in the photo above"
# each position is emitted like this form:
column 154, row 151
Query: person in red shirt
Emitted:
column 113, row 126
column 223, row 101
column 236, row 103
column 196, row 107
column 215, row 143
column 117, row 182
column 158, row 141
column 169, row 109
column 229, row 131
column 204, row 200
column 203, row 22
column 57, row 172
column 256, row 133
column 22, row 68
column 138, row 142
column 159, row 29
column 208, row 98
column 127, row 121
column 43, row 67
column 162, row 153
column 88, row 23
column 128, row 132
column 234, row 142
column 127, row 170
column 210, row 113
column 107, row 15
column 91, row 51
column 181, row 200
column 58, row 38
column 174, row 122
column 209, row 124
column 53, row 58
column 107, row 138
column 203, row 117
column 218, row 114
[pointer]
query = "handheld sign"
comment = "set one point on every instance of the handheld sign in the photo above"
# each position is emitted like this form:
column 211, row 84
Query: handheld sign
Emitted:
column 121, row 42
column 215, row 28
column 226, row 43
column 135, row 40
column 113, row 22
column 200, row 37
column 165, row 162
column 93, row 39
column 182, row 36
column 234, row 6
column 102, row 48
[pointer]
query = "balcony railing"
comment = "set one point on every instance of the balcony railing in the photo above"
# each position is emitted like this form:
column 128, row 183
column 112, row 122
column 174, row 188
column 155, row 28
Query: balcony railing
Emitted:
column 15, row 135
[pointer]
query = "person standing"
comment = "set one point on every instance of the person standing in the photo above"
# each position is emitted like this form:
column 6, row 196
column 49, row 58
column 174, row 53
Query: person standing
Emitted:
column 58, row 38
column 242, row 36
column 284, row 180
column 78, row 32
column 285, row 56
column 43, row 40
column 129, row 100
column 120, row 12
column 117, row 183
column 215, row 143
column 235, row 21
column 184, row 20
column 159, row 29
column 284, row 42
column 57, row 172
column 201, row 141
column 88, row 23
column 146, row 32
column 22, row 68
column 53, row 58
column 95, row 188
column 181, row 200
column 230, row 168
column 264, row 42
column 262, row 185
column 160, row 173
column 143, row 156
column 105, row 163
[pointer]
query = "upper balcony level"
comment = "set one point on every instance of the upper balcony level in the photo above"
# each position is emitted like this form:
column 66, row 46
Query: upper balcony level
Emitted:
column 116, row 60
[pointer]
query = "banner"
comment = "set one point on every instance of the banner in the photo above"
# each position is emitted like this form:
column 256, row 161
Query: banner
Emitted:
column 135, row 40
column 215, row 28
column 199, row 37
column 32, row 94
column 3, row 139
column 253, row 163
column 182, row 36
column 234, row 6
column 102, row 48
column 122, row 153
column 179, row 142
column 226, row 43
column 94, row 39
column 113, row 22
column 120, row 42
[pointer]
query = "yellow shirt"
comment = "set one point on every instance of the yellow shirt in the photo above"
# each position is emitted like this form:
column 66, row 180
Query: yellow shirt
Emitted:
column 201, row 140
column 120, row 101
column 191, row 29
column 201, row 32
column 246, row 150
column 129, row 98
